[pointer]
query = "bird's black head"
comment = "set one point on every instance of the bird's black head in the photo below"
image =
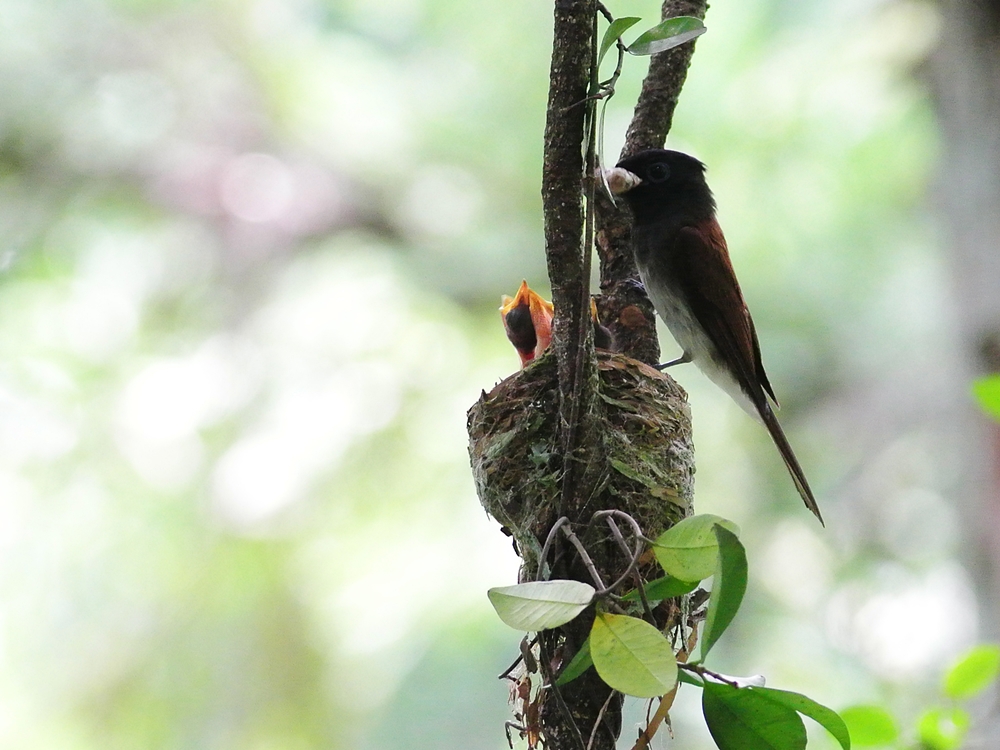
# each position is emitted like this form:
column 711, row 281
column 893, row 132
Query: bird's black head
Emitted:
column 521, row 328
column 671, row 187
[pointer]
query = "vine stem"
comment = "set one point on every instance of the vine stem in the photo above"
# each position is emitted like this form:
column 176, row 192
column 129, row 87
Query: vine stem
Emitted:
column 703, row 672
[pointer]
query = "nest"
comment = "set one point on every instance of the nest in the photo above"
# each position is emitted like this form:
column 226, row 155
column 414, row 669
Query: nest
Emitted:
column 640, row 457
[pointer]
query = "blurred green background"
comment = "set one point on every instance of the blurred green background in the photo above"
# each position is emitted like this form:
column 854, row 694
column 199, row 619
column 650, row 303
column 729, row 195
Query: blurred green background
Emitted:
column 251, row 255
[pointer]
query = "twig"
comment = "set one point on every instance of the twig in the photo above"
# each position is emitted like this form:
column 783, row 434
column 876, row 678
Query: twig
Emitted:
column 600, row 718
column 608, row 516
column 550, row 683
column 635, row 334
column 617, row 534
column 652, row 725
column 702, row 672
column 587, row 562
column 654, row 110
column 507, row 726
column 633, row 563
column 607, row 88
column 625, row 517
column 505, row 675
column 548, row 543
column 641, row 588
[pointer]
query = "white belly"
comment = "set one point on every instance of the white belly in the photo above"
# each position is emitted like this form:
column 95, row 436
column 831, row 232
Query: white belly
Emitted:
column 690, row 336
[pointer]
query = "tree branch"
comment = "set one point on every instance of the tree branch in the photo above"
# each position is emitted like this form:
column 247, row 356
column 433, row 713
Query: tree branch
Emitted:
column 625, row 308
column 562, row 202
column 610, row 435
column 568, row 255
column 654, row 110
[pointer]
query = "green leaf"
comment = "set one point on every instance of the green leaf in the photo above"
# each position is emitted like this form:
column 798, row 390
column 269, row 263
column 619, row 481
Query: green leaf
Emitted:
column 580, row 663
column 747, row 719
column 540, row 605
column 617, row 27
column 728, row 588
column 826, row 717
column 632, row 656
column 668, row 34
column 943, row 728
column 662, row 588
column 689, row 550
column 973, row 672
column 987, row 393
column 870, row 725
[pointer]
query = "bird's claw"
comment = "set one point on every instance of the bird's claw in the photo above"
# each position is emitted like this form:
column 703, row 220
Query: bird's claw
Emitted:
column 681, row 360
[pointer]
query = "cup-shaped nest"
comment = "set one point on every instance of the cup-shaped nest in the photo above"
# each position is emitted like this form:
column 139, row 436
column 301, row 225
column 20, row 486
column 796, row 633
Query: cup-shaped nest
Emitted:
column 636, row 453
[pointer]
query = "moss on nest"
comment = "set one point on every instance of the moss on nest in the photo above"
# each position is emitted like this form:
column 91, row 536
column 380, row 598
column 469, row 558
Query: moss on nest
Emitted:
column 643, row 462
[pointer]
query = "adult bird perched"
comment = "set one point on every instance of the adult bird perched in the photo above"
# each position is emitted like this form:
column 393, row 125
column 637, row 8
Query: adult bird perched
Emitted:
column 684, row 264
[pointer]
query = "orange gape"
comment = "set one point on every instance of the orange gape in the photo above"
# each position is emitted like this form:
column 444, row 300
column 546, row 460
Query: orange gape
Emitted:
column 527, row 319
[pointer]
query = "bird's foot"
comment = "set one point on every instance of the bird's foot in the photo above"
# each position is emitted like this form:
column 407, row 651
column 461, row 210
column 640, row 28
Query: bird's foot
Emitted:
column 681, row 360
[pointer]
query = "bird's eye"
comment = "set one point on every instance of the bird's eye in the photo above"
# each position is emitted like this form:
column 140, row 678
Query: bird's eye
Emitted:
column 658, row 172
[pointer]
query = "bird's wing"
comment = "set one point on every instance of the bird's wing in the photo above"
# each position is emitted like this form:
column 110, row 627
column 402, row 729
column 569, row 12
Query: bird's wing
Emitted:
column 717, row 304
column 700, row 255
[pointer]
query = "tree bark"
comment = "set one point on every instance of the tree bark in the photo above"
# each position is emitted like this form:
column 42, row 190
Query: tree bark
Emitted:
column 625, row 308
column 562, row 204
column 576, row 432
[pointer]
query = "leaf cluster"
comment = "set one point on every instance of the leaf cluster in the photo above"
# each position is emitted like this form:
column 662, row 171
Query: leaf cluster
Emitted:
column 942, row 726
column 665, row 35
column 633, row 656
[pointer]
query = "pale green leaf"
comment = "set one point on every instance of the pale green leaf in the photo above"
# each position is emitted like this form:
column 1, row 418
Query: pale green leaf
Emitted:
column 987, row 393
column 632, row 656
column 668, row 34
column 973, row 672
column 540, row 605
column 943, row 728
column 689, row 550
column 870, row 725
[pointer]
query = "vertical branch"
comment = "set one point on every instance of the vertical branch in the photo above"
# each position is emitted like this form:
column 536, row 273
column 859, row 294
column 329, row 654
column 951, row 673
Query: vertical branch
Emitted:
column 624, row 308
column 570, row 711
column 562, row 201
column 587, row 704
column 654, row 110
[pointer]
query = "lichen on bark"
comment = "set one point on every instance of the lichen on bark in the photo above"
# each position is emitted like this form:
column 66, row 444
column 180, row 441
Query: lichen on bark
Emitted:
column 577, row 431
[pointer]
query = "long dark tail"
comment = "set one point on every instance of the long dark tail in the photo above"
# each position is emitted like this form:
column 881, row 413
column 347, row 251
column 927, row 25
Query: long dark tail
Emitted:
column 798, row 476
